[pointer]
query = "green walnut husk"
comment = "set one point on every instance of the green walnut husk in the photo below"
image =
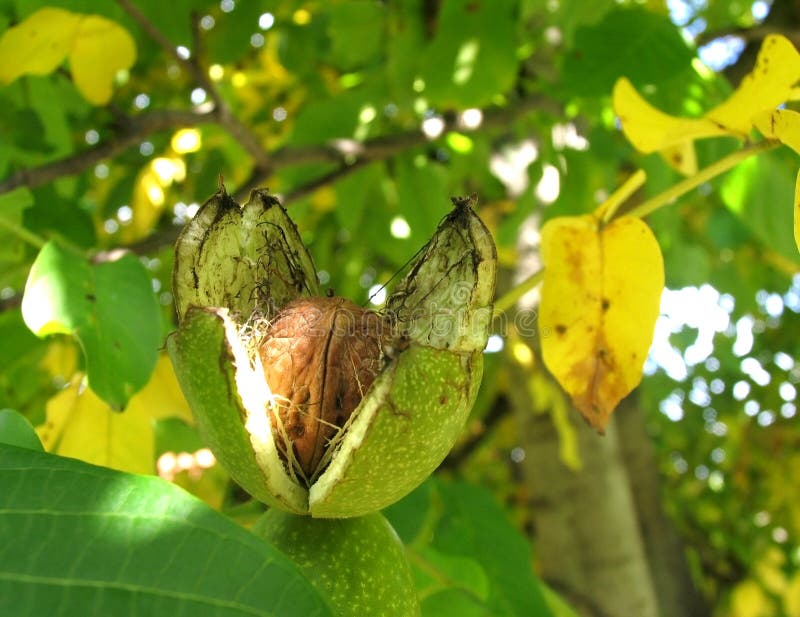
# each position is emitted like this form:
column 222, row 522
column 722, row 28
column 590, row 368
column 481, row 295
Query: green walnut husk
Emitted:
column 237, row 266
column 359, row 564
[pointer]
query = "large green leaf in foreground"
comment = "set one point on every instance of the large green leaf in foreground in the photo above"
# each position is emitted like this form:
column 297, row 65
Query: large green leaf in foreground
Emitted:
column 76, row 539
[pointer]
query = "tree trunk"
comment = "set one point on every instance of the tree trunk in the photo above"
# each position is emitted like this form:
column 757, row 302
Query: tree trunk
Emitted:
column 587, row 534
column 676, row 592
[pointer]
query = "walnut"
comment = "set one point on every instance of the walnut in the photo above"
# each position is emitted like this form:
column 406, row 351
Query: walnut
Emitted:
column 320, row 356
column 282, row 427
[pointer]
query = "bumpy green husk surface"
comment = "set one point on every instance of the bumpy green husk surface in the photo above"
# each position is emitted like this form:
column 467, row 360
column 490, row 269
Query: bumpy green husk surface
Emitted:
column 358, row 563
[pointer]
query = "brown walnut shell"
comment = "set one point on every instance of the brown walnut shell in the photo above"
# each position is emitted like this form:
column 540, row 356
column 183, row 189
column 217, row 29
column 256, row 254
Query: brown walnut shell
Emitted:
column 320, row 356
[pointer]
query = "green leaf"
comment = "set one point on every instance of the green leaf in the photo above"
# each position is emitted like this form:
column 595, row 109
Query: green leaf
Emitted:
column 15, row 430
column 55, row 216
column 12, row 205
column 408, row 516
column 406, row 22
column 229, row 40
column 108, row 306
column 24, row 383
column 336, row 118
column 460, row 539
column 357, row 31
column 761, row 192
column 452, row 603
column 174, row 18
column 474, row 525
column 473, row 58
column 461, row 572
column 420, row 192
column 76, row 539
column 635, row 43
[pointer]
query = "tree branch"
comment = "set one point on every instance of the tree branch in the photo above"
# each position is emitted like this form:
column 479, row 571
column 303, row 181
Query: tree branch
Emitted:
column 351, row 156
column 348, row 152
column 221, row 110
column 132, row 132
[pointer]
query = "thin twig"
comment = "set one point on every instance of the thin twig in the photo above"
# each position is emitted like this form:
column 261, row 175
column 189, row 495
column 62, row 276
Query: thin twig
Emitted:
column 133, row 132
column 510, row 298
column 329, row 178
column 221, row 110
column 704, row 175
column 349, row 152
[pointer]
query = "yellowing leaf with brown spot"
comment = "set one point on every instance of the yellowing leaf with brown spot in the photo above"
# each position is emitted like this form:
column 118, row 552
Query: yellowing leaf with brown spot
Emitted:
column 769, row 84
column 80, row 425
column 600, row 300
column 681, row 157
column 780, row 124
column 101, row 48
column 38, row 45
column 96, row 47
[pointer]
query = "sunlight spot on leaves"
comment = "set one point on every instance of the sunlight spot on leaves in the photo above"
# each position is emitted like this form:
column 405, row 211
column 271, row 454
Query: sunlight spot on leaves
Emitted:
column 186, row 140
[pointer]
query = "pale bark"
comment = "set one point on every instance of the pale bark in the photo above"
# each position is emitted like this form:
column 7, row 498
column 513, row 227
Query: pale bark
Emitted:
column 676, row 592
column 588, row 543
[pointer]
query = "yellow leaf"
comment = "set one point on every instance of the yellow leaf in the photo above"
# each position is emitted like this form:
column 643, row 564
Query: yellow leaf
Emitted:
column 681, row 157
column 749, row 600
column 101, row 48
column 323, row 199
column 81, row 425
column 797, row 212
column 97, row 48
column 769, row 84
column 769, row 571
column 37, row 45
column 600, row 300
column 162, row 396
column 149, row 200
column 61, row 359
column 791, row 599
column 650, row 129
column 780, row 124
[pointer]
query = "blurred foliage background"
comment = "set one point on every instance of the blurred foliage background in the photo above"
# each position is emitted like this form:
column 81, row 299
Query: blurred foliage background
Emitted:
column 365, row 117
